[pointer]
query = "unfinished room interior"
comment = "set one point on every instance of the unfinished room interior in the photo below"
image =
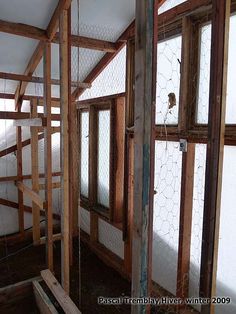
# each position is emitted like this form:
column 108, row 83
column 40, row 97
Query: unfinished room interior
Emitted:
column 118, row 156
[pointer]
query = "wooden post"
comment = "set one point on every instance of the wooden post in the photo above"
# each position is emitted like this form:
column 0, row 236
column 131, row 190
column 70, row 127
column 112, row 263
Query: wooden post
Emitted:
column 48, row 155
column 215, row 148
column 64, row 94
column 145, row 86
column 19, row 178
column 35, row 174
column 185, row 223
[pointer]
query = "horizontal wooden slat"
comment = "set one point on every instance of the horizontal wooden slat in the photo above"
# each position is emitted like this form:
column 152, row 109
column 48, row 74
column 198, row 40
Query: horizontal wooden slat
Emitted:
column 55, row 185
column 11, row 115
column 56, row 237
column 28, row 122
column 27, row 177
column 36, row 79
column 59, row 293
column 89, row 43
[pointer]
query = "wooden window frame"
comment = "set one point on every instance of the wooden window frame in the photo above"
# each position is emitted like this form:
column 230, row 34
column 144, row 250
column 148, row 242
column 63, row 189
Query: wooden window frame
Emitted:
column 114, row 104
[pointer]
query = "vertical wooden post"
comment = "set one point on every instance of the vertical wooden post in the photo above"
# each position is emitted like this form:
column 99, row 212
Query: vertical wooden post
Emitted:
column 215, row 147
column 48, row 156
column 35, row 174
column 145, row 87
column 185, row 223
column 19, row 178
column 93, row 172
column 64, row 94
column 185, row 100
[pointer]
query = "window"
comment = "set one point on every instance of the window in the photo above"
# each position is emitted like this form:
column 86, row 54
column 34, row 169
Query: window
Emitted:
column 102, row 153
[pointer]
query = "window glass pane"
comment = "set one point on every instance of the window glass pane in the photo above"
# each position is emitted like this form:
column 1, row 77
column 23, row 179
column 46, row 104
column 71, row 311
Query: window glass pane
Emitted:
column 84, row 154
column 226, row 270
column 168, row 81
column 103, row 157
column 204, row 75
column 168, row 165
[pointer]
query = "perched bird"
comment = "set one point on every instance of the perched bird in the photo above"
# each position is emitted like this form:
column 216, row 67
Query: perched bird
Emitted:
column 172, row 100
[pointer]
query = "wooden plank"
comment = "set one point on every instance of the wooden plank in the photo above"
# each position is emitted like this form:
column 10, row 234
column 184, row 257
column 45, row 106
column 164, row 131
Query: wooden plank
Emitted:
column 106, row 59
column 55, row 237
column 27, row 177
column 184, row 108
column 23, row 30
column 28, row 122
column 31, row 194
column 11, row 115
column 145, row 86
column 55, row 185
column 19, row 177
column 89, row 43
column 59, row 293
column 118, row 169
column 43, row 302
column 185, row 222
column 64, row 94
column 48, row 155
column 130, row 83
column 215, row 148
column 16, row 291
column 35, row 174
column 36, row 79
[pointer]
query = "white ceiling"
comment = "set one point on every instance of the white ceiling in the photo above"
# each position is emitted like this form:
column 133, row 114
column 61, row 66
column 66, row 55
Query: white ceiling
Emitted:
column 100, row 19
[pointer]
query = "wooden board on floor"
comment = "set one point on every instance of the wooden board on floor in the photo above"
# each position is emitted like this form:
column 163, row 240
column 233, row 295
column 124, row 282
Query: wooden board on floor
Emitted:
column 43, row 302
column 59, row 293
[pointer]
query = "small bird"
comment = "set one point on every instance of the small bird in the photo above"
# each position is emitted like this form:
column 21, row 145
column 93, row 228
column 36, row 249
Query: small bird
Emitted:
column 172, row 100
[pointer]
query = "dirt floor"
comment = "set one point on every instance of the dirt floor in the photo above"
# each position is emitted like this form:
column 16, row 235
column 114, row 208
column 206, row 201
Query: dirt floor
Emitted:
column 96, row 278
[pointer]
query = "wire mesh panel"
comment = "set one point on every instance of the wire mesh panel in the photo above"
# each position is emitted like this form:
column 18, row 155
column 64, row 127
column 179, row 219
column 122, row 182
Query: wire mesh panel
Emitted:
column 168, row 161
column 226, row 270
column 84, row 161
column 197, row 220
column 204, row 74
column 168, row 81
column 103, row 157
column 169, row 4
column 111, row 80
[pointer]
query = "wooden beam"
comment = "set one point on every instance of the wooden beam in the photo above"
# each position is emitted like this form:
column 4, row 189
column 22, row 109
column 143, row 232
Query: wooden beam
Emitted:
column 38, row 53
column 32, row 122
column 55, row 237
column 65, row 201
column 59, row 293
column 36, row 79
column 11, row 115
column 35, row 175
column 19, row 177
column 31, row 194
column 23, row 30
column 145, row 86
column 55, row 185
column 27, row 177
column 106, row 59
column 215, row 149
column 48, row 155
column 43, row 302
column 89, row 43
column 185, row 222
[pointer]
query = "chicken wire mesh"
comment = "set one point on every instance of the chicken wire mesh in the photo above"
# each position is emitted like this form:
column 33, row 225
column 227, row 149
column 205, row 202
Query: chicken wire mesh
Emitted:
column 168, row 81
